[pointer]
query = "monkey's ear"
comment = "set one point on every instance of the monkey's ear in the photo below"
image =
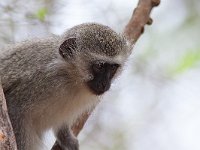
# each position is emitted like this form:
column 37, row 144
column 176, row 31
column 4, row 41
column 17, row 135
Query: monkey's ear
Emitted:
column 67, row 48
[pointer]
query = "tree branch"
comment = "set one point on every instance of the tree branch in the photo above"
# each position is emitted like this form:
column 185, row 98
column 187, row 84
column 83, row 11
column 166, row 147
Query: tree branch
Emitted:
column 7, row 138
column 140, row 17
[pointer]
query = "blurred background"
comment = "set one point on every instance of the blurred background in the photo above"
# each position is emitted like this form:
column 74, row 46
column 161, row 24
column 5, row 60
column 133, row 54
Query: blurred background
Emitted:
column 155, row 103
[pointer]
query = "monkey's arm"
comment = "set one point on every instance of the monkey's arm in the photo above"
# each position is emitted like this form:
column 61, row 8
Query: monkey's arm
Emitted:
column 65, row 139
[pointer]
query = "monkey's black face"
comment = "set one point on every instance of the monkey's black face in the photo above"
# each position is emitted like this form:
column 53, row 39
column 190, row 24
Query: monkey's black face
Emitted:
column 103, row 73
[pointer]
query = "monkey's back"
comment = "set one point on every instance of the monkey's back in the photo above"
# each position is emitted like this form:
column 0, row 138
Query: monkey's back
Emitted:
column 22, row 64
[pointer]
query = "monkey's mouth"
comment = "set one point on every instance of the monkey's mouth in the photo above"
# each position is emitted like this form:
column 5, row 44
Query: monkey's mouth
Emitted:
column 98, row 88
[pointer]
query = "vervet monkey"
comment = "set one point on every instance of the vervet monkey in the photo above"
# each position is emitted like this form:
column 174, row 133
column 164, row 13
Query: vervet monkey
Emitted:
column 48, row 83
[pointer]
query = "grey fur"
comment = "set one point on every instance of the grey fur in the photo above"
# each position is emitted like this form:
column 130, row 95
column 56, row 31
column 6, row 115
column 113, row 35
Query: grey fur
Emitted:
column 45, row 91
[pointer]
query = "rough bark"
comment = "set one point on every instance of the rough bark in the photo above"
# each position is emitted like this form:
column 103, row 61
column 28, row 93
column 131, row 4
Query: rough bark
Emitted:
column 7, row 138
column 139, row 18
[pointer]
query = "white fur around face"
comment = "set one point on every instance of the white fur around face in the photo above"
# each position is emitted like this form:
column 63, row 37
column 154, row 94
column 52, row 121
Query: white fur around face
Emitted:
column 64, row 109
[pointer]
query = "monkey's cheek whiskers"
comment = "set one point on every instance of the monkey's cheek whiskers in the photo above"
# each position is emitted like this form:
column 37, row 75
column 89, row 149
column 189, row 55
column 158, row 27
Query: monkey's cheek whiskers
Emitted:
column 99, row 97
column 87, row 78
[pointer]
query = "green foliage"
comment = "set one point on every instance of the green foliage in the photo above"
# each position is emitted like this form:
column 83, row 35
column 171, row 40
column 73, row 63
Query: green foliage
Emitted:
column 189, row 60
column 41, row 14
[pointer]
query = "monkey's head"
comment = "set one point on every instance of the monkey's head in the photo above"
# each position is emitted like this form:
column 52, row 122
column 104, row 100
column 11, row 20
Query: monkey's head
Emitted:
column 96, row 54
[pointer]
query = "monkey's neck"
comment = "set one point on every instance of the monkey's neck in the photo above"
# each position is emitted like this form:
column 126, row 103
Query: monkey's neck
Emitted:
column 65, row 108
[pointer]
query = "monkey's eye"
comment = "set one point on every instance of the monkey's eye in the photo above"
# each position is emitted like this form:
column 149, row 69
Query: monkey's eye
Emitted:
column 98, row 67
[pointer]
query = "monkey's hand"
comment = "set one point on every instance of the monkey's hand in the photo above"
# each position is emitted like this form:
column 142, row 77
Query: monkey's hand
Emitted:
column 65, row 140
